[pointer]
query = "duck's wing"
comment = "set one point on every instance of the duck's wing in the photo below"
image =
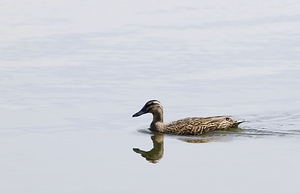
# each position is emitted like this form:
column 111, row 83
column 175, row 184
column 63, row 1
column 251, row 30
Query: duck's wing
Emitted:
column 194, row 125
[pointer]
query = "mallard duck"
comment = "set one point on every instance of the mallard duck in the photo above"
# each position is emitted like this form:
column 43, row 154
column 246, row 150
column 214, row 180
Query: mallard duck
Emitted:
column 186, row 126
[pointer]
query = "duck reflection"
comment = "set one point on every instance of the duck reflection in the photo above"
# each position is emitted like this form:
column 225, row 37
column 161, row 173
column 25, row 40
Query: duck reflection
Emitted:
column 157, row 152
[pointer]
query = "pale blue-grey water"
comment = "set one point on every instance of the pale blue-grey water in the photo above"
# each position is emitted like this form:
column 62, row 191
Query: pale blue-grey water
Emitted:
column 72, row 73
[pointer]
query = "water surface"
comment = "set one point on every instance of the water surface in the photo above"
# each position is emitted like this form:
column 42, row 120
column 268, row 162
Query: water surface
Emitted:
column 74, row 72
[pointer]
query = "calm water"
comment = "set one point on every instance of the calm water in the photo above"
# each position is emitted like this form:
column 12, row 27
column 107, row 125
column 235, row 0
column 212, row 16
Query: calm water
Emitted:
column 74, row 72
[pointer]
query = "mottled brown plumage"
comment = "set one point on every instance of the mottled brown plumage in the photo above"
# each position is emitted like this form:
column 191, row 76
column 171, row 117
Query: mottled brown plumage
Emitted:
column 186, row 126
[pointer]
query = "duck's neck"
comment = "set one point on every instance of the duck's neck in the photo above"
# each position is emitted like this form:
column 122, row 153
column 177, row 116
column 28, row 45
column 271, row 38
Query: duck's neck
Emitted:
column 158, row 117
column 157, row 122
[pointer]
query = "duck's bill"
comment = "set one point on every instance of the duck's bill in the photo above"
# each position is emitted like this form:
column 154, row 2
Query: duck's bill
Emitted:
column 141, row 112
column 237, row 123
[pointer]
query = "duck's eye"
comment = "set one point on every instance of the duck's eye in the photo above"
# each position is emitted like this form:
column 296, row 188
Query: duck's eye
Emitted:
column 227, row 119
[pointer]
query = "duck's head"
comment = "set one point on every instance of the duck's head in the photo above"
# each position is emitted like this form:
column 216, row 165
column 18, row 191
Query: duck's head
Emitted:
column 228, row 122
column 152, row 106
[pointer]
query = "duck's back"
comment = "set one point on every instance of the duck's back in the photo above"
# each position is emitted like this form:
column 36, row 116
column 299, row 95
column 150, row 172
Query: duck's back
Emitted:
column 197, row 125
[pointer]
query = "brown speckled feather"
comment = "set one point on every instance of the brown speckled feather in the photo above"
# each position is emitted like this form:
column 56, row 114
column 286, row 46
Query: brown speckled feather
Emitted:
column 198, row 126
